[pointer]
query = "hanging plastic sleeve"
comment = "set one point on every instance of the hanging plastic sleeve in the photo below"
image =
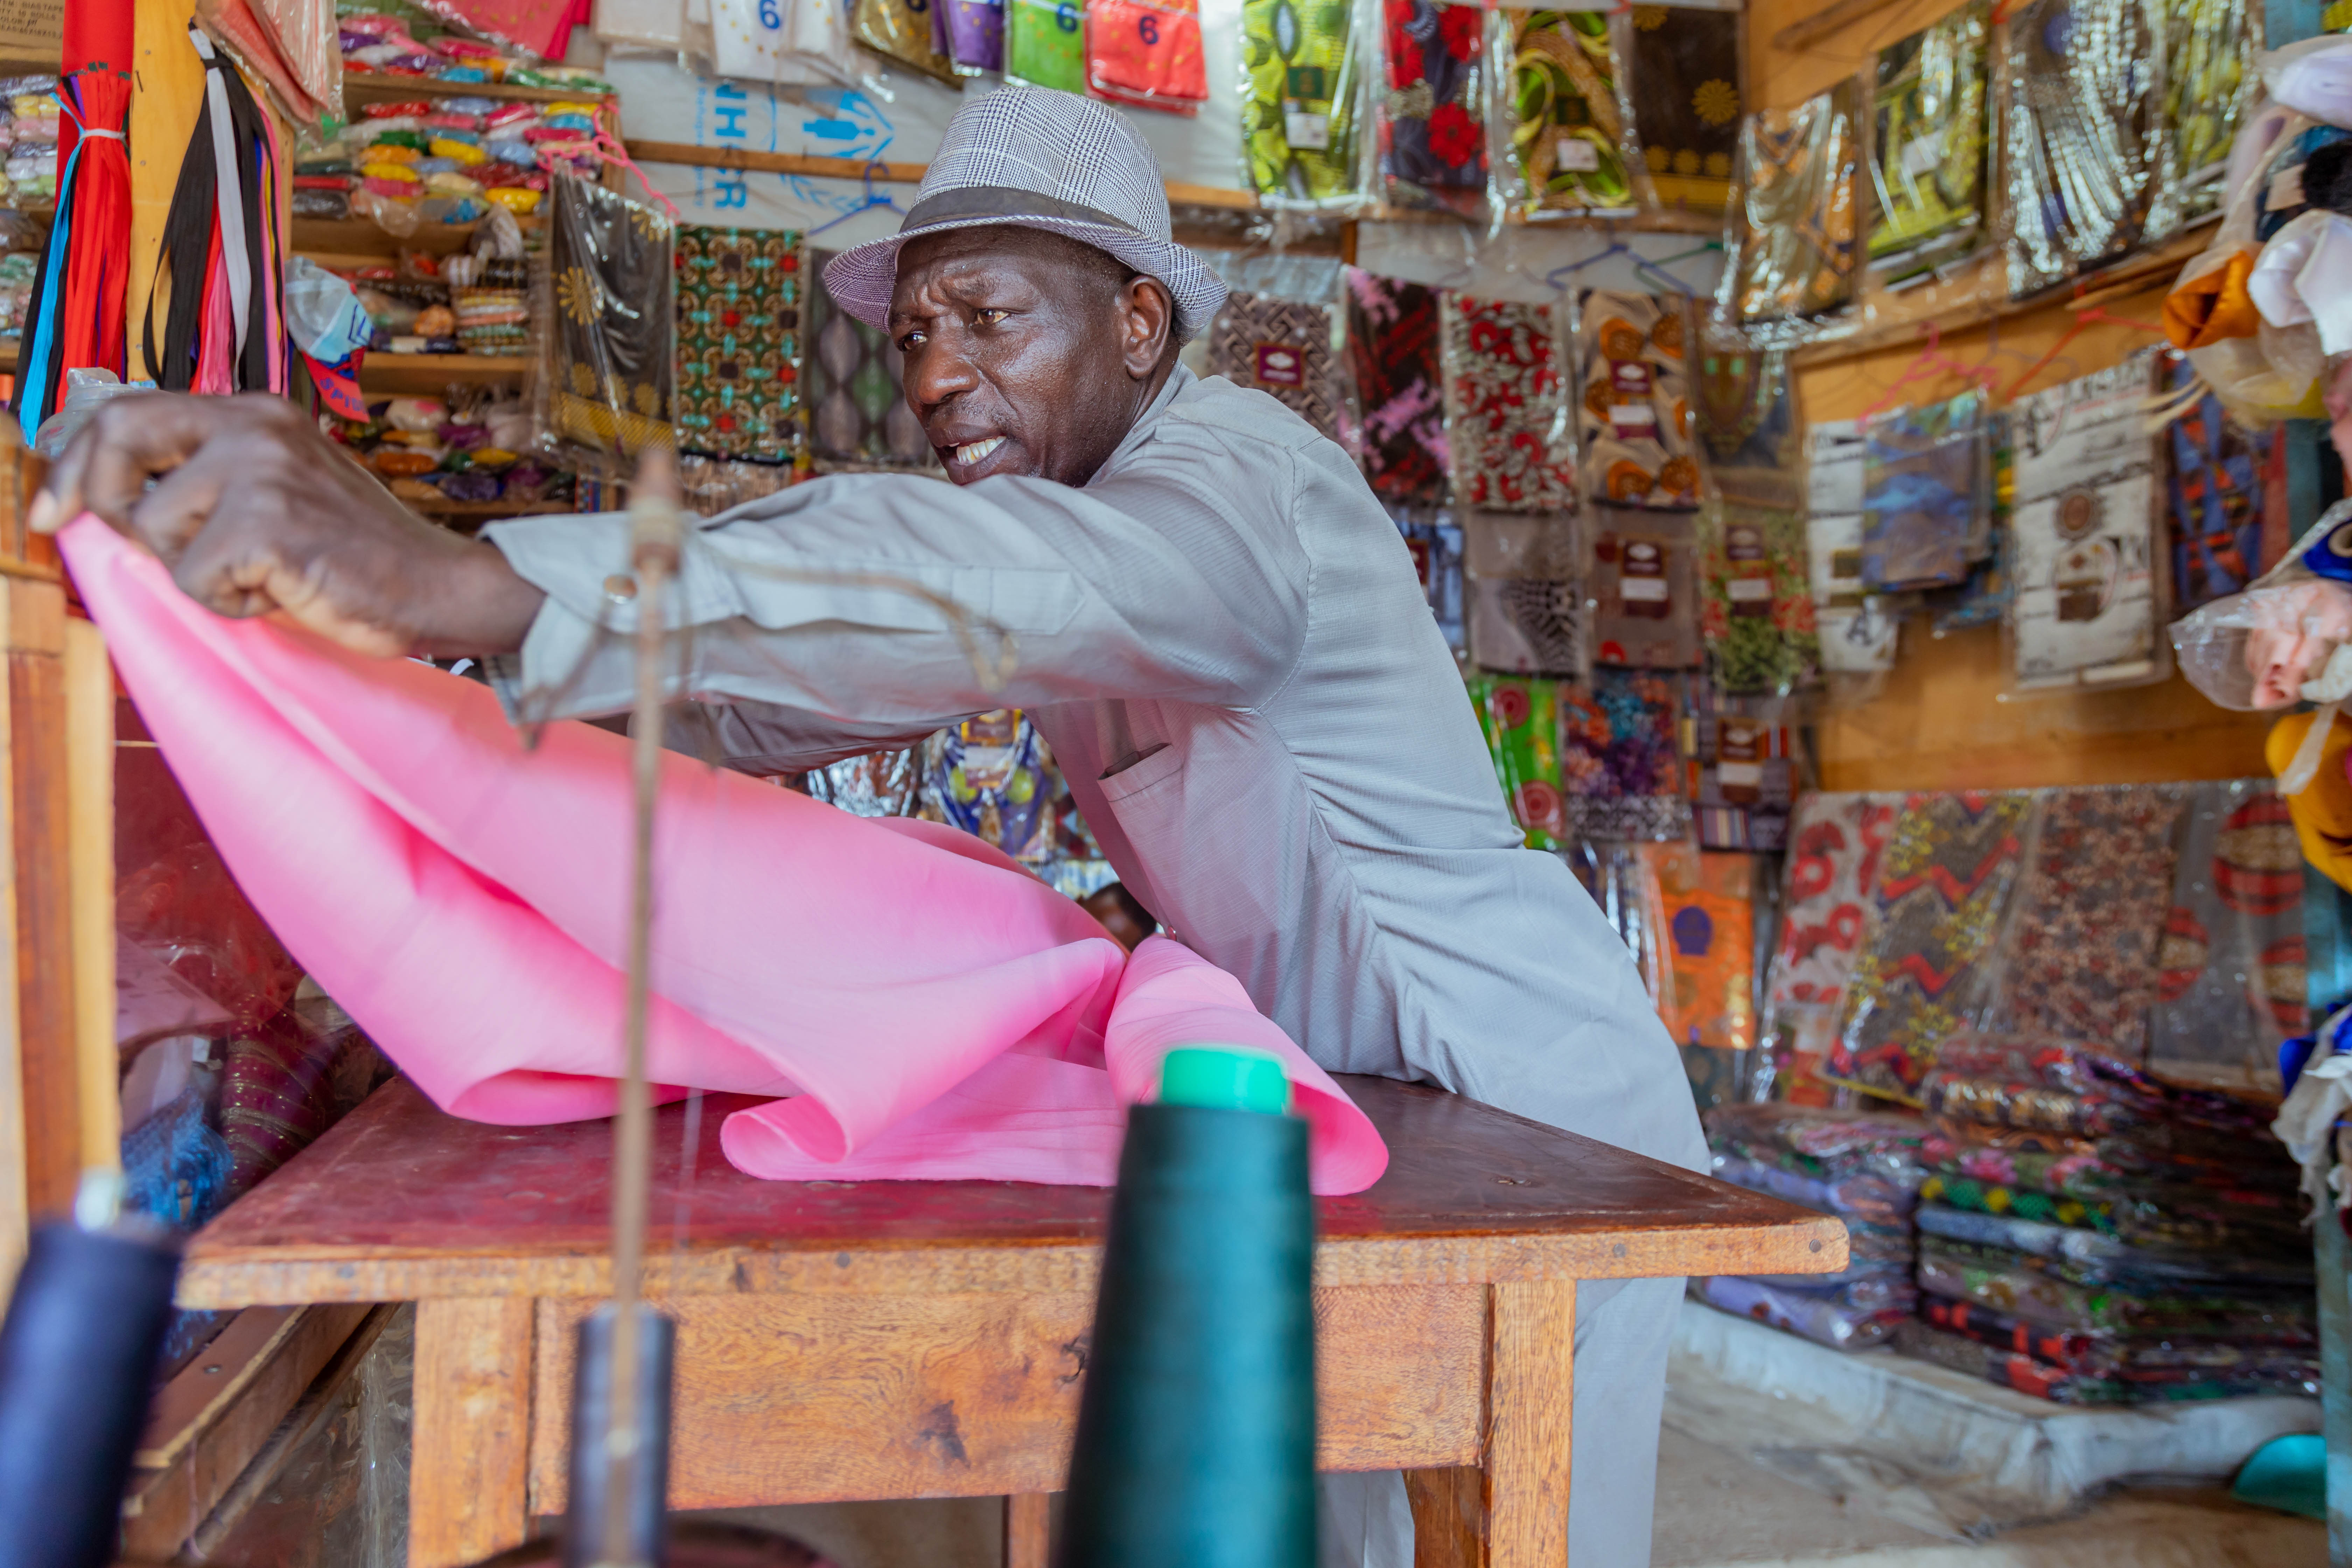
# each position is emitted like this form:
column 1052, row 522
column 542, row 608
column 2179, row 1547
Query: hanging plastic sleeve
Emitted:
column 2305, row 768
column 228, row 190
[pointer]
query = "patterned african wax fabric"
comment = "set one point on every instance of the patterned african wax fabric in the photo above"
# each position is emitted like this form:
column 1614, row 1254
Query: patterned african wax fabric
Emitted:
column 2209, row 84
column 1708, row 901
column 1521, row 721
column 1392, row 352
column 856, row 396
column 1633, row 413
column 738, row 342
column 2231, row 963
column 1298, row 123
column 2213, row 489
column 1836, row 845
column 608, row 381
column 1567, row 114
column 1620, row 765
column 2078, row 127
column 1685, row 86
column 1797, row 253
column 1282, row 347
column 1928, row 159
column 1433, row 135
column 1505, row 408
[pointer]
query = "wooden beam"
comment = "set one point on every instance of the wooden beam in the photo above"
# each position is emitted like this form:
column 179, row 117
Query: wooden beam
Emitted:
column 468, row 1479
column 1805, row 34
column 90, row 859
column 1180, row 194
column 33, row 635
column 1028, row 1530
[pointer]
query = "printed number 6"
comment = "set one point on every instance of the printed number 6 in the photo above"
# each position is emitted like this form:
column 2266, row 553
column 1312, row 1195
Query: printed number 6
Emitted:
column 1065, row 16
column 1148, row 29
column 769, row 18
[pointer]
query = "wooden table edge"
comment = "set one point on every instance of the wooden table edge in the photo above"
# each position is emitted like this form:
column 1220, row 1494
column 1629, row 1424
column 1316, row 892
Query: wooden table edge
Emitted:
column 1806, row 1243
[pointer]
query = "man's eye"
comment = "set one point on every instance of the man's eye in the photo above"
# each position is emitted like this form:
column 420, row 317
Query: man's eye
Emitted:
column 907, row 344
column 989, row 318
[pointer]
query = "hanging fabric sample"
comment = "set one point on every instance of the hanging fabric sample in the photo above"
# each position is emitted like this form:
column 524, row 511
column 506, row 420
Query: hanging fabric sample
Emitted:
column 2082, row 950
column 2213, row 489
column 1569, row 115
column 1433, row 138
column 1757, row 610
column 1303, row 91
column 1856, row 627
column 1434, row 543
column 900, row 30
column 1525, row 606
column 1943, row 890
column 1684, row 88
column 1392, row 352
column 1282, row 347
column 1505, row 406
column 2087, row 609
column 1746, row 763
column 933, row 951
column 2208, row 85
column 1708, row 903
column 1620, row 765
column 222, row 329
column 73, row 317
column 607, row 380
column 1746, row 424
column 1147, row 54
column 1643, row 578
column 1044, row 44
column 1635, row 417
column 856, row 396
column 738, row 342
column 1836, row 845
column 974, row 34
column 1926, row 506
column 2231, row 966
column 1521, row 721
column 2079, row 151
column 1797, row 247
column 1929, row 158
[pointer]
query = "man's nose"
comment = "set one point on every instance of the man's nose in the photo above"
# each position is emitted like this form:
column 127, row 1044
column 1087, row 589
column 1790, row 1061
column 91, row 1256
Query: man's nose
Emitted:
column 938, row 370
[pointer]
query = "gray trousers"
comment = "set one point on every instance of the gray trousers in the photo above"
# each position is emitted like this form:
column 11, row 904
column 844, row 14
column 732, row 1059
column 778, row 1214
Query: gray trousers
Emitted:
column 1623, row 1330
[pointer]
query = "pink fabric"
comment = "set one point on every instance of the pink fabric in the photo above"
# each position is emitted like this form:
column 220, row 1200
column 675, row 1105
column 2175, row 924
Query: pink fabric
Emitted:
column 931, row 1010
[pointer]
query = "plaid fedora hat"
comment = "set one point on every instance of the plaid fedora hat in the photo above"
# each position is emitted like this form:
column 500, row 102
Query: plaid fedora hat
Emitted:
column 1034, row 158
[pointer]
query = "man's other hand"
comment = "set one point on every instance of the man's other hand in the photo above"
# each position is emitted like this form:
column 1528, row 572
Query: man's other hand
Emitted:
column 255, row 512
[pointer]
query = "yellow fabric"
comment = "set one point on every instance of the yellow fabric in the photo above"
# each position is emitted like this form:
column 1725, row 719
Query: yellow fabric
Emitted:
column 2323, row 812
column 2213, row 306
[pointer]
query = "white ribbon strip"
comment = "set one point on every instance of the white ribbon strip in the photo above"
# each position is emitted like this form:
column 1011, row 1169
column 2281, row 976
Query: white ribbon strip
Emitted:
column 229, row 192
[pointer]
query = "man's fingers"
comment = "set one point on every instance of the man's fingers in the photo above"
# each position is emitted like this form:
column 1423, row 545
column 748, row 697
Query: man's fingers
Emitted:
column 106, row 467
column 168, row 517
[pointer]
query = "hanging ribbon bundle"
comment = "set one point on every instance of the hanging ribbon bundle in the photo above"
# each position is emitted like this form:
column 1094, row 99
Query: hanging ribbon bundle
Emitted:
column 74, row 318
column 222, row 329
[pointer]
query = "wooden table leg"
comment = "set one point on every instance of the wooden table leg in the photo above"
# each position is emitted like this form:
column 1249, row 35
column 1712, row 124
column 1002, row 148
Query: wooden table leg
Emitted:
column 1028, row 1524
column 1512, row 1512
column 470, row 1460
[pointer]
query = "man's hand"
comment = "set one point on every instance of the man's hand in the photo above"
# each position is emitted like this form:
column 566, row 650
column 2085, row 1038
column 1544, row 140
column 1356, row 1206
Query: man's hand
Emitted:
column 255, row 512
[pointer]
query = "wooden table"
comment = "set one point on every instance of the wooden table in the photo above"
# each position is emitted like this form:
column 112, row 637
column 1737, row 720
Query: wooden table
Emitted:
column 842, row 1341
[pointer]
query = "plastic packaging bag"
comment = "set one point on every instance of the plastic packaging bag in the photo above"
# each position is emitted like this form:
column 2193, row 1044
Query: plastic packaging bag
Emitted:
column 1748, row 424
column 2080, row 133
column 1400, row 386
column 1562, row 131
column 87, row 391
column 2088, row 610
column 1821, row 1315
column 2209, row 84
column 1795, row 229
column 1708, row 901
column 858, row 418
column 1436, row 546
column 1927, row 501
column 607, row 389
column 1303, row 100
column 322, row 315
column 1507, row 425
column 1929, row 158
column 1837, row 844
column 1147, row 55
column 1756, row 614
column 1431, row 120
column 2231, row 965
column 1634, row 408
column 2213, row 488
column 1685, row 86
column 1748, row 766
column 1642, row 579
column 786, row 42
column 1044, row 44
column 1521, row 721
column 1621, row 763
column 1525, row 606
column 1856, row 628
column 1282, row 347
column 900, row 30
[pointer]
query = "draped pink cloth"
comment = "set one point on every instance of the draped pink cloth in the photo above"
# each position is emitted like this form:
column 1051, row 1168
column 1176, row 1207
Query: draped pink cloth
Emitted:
column 922, row 1007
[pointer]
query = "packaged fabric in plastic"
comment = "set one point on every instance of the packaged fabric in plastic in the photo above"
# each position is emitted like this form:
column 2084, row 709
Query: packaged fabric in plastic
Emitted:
column 2083, row 943
column 1507, row 420
column 1521, row 719
column 1747, row 422
column 1526, row 606
column 1282, row 347
column 1303, row 100
column 1683, row 81
column 1756, row 614
column 1825, row 1144
column 1044, row 44
column 2208, row 85
column 1633, row 417
column 606, row 388
column 1435, row 542
column 855, row 392
column 1927, row 161
column 1822, row 1316
column 1643, row 586
column 1944, row 893
column 2088, row 610
column 1837, row 844
column 1797, row 230
column 739, row 341
column 1147, row 54
column 1400, row 386
column 1747, row 765
column 1856, row 627
column 1562, row 141
column 1707, row 900
column 2081, row 136
column 1871, row 1195
column 1627, row 895
column 1927, row 500
column 974, row 31
column 1431, row 120
column 2231, row 965
column 1992, row 1197
column 2007, row 1283
column 2213, row 489
column 1620, row 765
column 900, row 30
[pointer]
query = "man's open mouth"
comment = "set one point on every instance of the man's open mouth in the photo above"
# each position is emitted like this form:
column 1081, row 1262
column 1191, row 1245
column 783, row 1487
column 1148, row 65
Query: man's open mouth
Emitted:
column 973, row 452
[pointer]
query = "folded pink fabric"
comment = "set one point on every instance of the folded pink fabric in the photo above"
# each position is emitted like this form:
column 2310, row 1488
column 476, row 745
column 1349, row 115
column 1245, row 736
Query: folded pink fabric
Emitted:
column 925, row 1008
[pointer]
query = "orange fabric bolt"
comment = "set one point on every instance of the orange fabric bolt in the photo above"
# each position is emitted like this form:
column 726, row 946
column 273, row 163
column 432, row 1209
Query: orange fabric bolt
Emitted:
column 2323, row 812
column 2213, row 307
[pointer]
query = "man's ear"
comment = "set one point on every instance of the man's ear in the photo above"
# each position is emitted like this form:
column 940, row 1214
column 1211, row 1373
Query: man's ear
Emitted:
column 1147, row 318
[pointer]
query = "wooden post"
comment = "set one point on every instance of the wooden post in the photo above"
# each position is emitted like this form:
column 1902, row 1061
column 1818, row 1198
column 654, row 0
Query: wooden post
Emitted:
column 48, row 1059
column 90, row 859
column 1531, row 1373
column 469, row 1466
column 1028, row 1530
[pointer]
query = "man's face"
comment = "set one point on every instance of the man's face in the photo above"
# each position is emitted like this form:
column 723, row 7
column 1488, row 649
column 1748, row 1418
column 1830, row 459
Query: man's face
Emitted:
column 1025, row 354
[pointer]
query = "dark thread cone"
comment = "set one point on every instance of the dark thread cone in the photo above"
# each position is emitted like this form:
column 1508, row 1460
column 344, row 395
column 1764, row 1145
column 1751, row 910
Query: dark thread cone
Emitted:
column 1196, row 1431
column 584, row 1525
column 77, row 1364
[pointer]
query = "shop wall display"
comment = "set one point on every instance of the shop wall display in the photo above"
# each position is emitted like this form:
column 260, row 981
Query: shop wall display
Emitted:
column 1686, row 89
column 738, row 342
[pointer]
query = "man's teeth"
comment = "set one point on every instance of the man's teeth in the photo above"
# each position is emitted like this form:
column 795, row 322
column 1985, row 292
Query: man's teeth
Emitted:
column 974, row 451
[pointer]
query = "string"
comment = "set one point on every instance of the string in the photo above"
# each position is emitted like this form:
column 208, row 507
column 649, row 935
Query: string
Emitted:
column 2085, row 320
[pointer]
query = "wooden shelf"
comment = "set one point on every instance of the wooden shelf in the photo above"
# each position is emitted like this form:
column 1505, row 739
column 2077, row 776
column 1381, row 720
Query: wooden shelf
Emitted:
column 486, row 510
column 369, row 87
column 10, row 347
column 411, row 375
column 352, row 236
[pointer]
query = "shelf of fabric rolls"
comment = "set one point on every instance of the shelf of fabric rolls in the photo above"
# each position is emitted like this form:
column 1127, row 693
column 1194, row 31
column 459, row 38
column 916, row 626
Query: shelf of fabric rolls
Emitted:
column 360, row 88
column 426, row 375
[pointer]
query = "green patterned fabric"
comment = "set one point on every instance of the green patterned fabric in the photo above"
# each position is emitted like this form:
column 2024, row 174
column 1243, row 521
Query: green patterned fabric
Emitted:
column 1046, row 44
column 738, row 342
column 1299, row 127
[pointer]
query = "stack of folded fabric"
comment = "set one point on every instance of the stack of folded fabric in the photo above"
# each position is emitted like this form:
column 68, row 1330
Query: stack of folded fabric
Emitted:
column 2092, row 1235
column 1862, row 1167
column 493, row 316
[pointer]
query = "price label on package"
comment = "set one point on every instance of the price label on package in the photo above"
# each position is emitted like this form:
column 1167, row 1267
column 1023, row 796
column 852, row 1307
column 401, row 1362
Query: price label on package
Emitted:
column 1575, row 155
column 1307, row 132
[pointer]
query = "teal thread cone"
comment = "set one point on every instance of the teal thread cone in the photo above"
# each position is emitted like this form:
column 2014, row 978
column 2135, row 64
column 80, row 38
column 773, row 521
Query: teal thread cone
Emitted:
column 1196, row 1429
